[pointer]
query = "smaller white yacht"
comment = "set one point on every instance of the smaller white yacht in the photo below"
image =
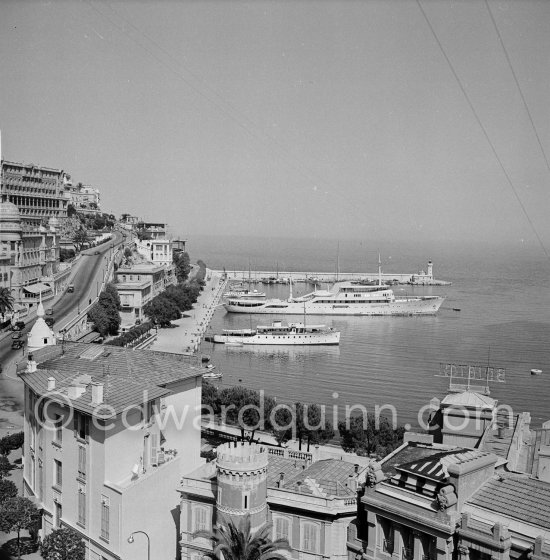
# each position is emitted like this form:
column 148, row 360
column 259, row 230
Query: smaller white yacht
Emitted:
column 296, row 334
column 244, row 294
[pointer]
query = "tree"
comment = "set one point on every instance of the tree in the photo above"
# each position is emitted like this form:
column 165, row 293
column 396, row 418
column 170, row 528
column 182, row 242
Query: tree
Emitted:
column 5, row 467
column 371, row 437
column 7, row 490
column 17, row 514
column 232, row 542
column 79, row 238
column 183, row 266
column 6, row 301
column 63, row 544
column 312, row 425
column 161, row 310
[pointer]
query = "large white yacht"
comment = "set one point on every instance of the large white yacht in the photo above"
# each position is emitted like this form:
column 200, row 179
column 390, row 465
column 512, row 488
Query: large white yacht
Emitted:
column 296, row 334
column 345, row 298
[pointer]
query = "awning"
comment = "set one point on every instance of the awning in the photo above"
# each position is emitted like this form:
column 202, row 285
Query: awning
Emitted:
column 37, row 288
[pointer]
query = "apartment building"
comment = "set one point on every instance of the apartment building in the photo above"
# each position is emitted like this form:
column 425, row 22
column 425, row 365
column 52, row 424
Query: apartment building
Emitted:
column 38, row 192
column 137, row 284
column 108, row 434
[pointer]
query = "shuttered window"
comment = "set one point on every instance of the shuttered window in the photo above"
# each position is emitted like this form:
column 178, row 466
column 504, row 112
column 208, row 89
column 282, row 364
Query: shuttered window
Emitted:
column 154, row 448
column 310, row 537
column 200, row 519
column 81, row 461
column 105, row 503
column 281, row 528
column 82, row 505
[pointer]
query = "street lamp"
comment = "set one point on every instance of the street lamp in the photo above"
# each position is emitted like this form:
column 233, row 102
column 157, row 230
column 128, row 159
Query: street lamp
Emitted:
column 131, row 540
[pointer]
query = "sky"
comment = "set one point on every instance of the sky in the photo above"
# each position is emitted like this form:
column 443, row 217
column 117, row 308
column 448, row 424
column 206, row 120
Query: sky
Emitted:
column 332, row 119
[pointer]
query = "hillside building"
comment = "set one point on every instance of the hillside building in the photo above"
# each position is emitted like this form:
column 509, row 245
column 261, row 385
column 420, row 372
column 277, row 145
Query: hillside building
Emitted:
column 108, row 434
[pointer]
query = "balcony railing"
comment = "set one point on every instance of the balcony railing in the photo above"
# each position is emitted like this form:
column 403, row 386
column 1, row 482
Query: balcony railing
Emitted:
column 407, row 553
column 387, row 546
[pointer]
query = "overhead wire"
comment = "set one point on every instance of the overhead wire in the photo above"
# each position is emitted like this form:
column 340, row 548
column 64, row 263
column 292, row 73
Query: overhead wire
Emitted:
column 484, row 130
column 508, row 60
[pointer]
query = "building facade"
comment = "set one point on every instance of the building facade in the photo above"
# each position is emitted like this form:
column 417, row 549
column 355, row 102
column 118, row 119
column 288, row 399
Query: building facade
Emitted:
column 38, row 192
column 33, row 254
column 309, row 501
column 108, row 435
column 85, row 198
column 137, row 284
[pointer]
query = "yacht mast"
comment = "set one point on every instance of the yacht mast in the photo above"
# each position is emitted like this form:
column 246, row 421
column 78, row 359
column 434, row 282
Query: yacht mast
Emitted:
column 379, row 271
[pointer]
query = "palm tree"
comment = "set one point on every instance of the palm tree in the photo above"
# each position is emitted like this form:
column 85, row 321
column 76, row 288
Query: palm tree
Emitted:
column 232, row 542
column 6, row 301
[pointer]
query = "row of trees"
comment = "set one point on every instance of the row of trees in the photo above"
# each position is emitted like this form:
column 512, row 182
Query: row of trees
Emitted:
column 250, row 410
column 365, row 435
column 170, row 304
column 105, row 313
column 10, row 443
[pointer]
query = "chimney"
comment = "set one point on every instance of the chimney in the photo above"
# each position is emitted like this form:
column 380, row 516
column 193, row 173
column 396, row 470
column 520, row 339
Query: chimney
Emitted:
column 299, row 485
column 356, row 468
column 352, row 482
column 51, row 383
column 97, row 393
column 31, row 364
column 281, row 480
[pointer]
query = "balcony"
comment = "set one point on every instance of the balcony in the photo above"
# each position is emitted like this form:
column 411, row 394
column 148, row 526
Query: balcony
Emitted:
column 407, row 553
column 387, row 546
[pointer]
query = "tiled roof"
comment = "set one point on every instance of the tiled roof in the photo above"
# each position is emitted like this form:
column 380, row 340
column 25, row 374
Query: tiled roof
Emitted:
column 330, row 476
column 130, row 377
column 411, row 453
column 435, row 467
column 520, row 497
column 278, row 465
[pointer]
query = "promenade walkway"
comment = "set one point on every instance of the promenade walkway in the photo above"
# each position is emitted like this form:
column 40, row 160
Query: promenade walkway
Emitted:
column 187, row 336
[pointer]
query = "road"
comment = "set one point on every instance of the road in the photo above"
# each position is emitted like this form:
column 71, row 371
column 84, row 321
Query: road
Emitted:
column 87, row 278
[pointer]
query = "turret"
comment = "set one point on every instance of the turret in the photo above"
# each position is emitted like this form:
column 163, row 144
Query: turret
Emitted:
column 242, row 482
column 430, row 270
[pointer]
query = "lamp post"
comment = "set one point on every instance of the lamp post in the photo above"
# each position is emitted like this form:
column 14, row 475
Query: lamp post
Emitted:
column 131, row 540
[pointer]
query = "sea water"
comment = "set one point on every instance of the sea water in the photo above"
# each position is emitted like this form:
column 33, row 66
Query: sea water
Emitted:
column 496, row 312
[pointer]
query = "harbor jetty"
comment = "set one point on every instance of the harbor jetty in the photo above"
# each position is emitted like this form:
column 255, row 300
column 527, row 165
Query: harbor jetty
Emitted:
column 421, row 278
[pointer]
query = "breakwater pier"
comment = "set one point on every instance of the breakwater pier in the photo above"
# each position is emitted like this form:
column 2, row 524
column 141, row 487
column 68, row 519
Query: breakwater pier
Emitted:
column 422, row 278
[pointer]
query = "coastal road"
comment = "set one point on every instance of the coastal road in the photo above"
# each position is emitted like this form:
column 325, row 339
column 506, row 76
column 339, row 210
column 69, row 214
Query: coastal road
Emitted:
column 86, row 280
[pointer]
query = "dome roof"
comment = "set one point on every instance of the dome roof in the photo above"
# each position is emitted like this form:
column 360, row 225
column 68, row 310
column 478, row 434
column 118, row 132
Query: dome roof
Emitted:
column 9, row 212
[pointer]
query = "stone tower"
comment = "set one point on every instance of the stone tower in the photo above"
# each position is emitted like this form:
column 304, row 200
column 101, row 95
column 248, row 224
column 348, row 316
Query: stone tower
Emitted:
column 242, row 482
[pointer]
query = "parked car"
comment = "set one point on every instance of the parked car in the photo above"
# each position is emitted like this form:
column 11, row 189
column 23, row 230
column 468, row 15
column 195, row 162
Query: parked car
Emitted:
column 18, row 326
column 16, row 335
column 49, row 321
column 70, row 289
column 49, row 311
column 16, row 344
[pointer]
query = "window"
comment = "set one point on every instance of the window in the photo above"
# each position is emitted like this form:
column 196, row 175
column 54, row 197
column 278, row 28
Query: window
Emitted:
column 81, row 462
column 310, row 537
column 58, row 425
column 105, row 503
column 81, row 425
column 57, row 473
column 200, row 519
column 281, row 528
column 82, row 505
column 246, row 500
column 58, row 512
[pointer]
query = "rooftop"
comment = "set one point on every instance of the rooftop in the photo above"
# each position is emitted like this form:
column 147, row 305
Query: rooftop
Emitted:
column 129, row 377
column 469, row 399
column 519, row 497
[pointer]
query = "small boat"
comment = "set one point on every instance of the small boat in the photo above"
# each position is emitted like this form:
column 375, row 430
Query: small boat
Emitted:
column 536, row 371
column 212, row 373
column 456, row 308
column 295, row 334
